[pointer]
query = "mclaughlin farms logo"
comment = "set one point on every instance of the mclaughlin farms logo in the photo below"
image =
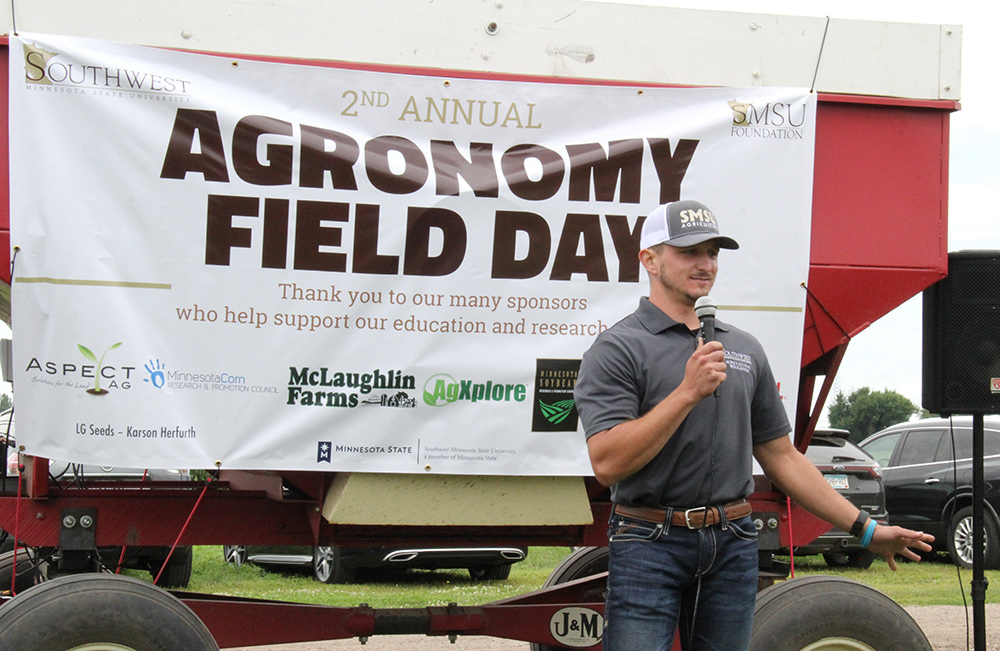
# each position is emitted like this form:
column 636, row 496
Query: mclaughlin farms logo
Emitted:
column 47, row 70
column 773, row 120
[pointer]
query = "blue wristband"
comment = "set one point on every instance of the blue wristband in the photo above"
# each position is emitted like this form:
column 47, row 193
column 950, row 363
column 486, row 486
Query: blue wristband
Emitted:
column 869, row 532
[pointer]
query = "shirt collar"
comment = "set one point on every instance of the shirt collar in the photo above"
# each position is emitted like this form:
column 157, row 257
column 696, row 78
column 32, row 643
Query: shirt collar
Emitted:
column 656, row 320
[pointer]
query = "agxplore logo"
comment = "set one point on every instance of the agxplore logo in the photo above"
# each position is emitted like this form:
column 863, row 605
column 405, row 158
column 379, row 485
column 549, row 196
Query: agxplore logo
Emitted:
column 443, row 389
column 43, row 68
column 772, row 120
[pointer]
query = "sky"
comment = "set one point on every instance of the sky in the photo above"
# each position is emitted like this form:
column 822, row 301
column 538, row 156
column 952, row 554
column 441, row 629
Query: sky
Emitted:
column 888, row 355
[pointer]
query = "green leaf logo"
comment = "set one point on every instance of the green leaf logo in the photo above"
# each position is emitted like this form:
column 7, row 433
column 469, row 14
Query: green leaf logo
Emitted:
column 86, row 352
column 557, row 412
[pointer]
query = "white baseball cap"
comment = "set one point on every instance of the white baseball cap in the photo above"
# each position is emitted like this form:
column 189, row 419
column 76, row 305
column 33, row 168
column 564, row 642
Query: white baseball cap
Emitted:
column 683, row 223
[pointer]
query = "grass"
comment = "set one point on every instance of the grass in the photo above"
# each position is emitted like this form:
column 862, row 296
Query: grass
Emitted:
column 934, row 582
column 413, row 588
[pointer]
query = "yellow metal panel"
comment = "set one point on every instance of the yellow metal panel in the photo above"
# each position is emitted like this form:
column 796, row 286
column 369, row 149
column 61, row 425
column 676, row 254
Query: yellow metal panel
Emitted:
column 458, row 500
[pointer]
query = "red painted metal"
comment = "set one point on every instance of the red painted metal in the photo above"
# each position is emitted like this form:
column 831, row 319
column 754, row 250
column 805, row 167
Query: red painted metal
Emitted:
column 237, row 622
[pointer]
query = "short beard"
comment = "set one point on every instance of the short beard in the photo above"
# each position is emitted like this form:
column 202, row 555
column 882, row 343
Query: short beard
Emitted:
column 690, row 298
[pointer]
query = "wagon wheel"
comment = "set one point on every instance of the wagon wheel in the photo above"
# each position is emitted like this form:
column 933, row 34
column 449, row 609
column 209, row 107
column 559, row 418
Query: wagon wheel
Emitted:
column 176, row 573
column 826, row 613
column 28, row 574
column 582, row 562
column 101, row 612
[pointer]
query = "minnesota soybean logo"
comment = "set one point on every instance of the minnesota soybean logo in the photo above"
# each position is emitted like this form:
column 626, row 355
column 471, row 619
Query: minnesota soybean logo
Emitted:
column 442, row 389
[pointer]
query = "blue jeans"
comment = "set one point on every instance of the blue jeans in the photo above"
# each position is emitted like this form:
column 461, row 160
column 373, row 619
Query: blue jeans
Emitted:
column 665, row 576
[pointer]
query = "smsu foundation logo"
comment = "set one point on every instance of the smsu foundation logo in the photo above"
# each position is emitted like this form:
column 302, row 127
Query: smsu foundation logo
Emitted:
column 771, row 120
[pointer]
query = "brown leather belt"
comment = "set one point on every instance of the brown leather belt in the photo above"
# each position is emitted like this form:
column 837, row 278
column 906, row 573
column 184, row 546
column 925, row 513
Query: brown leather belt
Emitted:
column 703, row 516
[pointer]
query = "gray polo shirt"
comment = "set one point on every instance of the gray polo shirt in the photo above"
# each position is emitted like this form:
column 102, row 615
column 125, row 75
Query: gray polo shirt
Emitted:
column 636, row 363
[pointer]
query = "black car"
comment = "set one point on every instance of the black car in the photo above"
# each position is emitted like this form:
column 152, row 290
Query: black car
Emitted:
column 927, row 466
column 857, row 477
column 343, row 564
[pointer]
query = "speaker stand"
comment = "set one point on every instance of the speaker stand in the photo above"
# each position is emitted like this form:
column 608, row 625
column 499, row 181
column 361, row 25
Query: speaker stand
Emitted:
column 979, row 582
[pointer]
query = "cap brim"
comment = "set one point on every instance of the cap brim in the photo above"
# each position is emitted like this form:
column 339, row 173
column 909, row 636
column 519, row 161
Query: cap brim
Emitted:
column 698, row 238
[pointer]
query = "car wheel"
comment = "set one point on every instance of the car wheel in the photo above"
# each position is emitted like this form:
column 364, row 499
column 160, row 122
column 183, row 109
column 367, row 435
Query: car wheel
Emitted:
column 27, row 573
column 328, row 566
column 100, row 611
column 177, row 571
column 582, row 562
column 827, row 613
column 861, row 559
column 235, row 554
column 490, row 572
column 960, row 535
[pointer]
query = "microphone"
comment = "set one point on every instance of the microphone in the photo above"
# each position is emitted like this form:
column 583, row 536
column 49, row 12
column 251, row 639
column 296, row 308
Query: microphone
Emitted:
column 705, row 309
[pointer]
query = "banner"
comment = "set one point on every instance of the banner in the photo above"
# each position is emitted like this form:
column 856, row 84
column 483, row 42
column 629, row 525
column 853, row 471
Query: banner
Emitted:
column 302, row 267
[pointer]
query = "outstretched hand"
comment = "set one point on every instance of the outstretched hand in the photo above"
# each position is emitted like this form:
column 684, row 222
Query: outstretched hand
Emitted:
column 889, row 541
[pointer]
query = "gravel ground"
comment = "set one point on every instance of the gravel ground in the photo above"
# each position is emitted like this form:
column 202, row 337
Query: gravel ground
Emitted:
column 944, row 626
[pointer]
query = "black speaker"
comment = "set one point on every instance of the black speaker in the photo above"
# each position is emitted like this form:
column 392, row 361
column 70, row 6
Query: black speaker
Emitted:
column 961, row 364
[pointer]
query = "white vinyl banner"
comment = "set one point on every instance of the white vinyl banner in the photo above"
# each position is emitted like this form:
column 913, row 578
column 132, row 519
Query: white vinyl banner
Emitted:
column 303, row 267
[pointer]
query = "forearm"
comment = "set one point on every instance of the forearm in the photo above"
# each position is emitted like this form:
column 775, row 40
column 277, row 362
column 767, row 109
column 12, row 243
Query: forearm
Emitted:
column 798, row 478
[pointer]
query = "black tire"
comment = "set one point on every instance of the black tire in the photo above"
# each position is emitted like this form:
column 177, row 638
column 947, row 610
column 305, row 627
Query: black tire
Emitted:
column 328, row 566
column 27, row 573
column 235, row 555
column 827, row 613
column 960, row 534
column 177, row 572
column 90, row 610
column 582, row 562
column 490, row 572
column 861, row 559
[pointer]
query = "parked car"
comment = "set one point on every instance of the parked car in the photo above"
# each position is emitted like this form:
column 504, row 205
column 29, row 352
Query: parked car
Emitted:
column 342, row 564
column 927, row 467
column 857, row 477
column 177, row 572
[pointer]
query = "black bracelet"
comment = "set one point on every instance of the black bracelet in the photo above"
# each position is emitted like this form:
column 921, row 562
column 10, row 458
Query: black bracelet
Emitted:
column 858, row 528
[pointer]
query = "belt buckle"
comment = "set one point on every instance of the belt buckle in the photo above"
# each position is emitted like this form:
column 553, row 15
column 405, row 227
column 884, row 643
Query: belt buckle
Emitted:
column 687, row 517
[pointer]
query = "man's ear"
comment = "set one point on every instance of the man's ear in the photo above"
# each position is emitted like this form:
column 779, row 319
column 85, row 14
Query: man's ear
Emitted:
column 648, row 260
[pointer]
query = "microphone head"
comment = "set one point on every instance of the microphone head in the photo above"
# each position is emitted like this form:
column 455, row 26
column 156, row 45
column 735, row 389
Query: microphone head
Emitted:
column 705, row 306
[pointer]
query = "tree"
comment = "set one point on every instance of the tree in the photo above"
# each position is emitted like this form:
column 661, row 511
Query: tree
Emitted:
column 5, row 402
column 865, row 412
